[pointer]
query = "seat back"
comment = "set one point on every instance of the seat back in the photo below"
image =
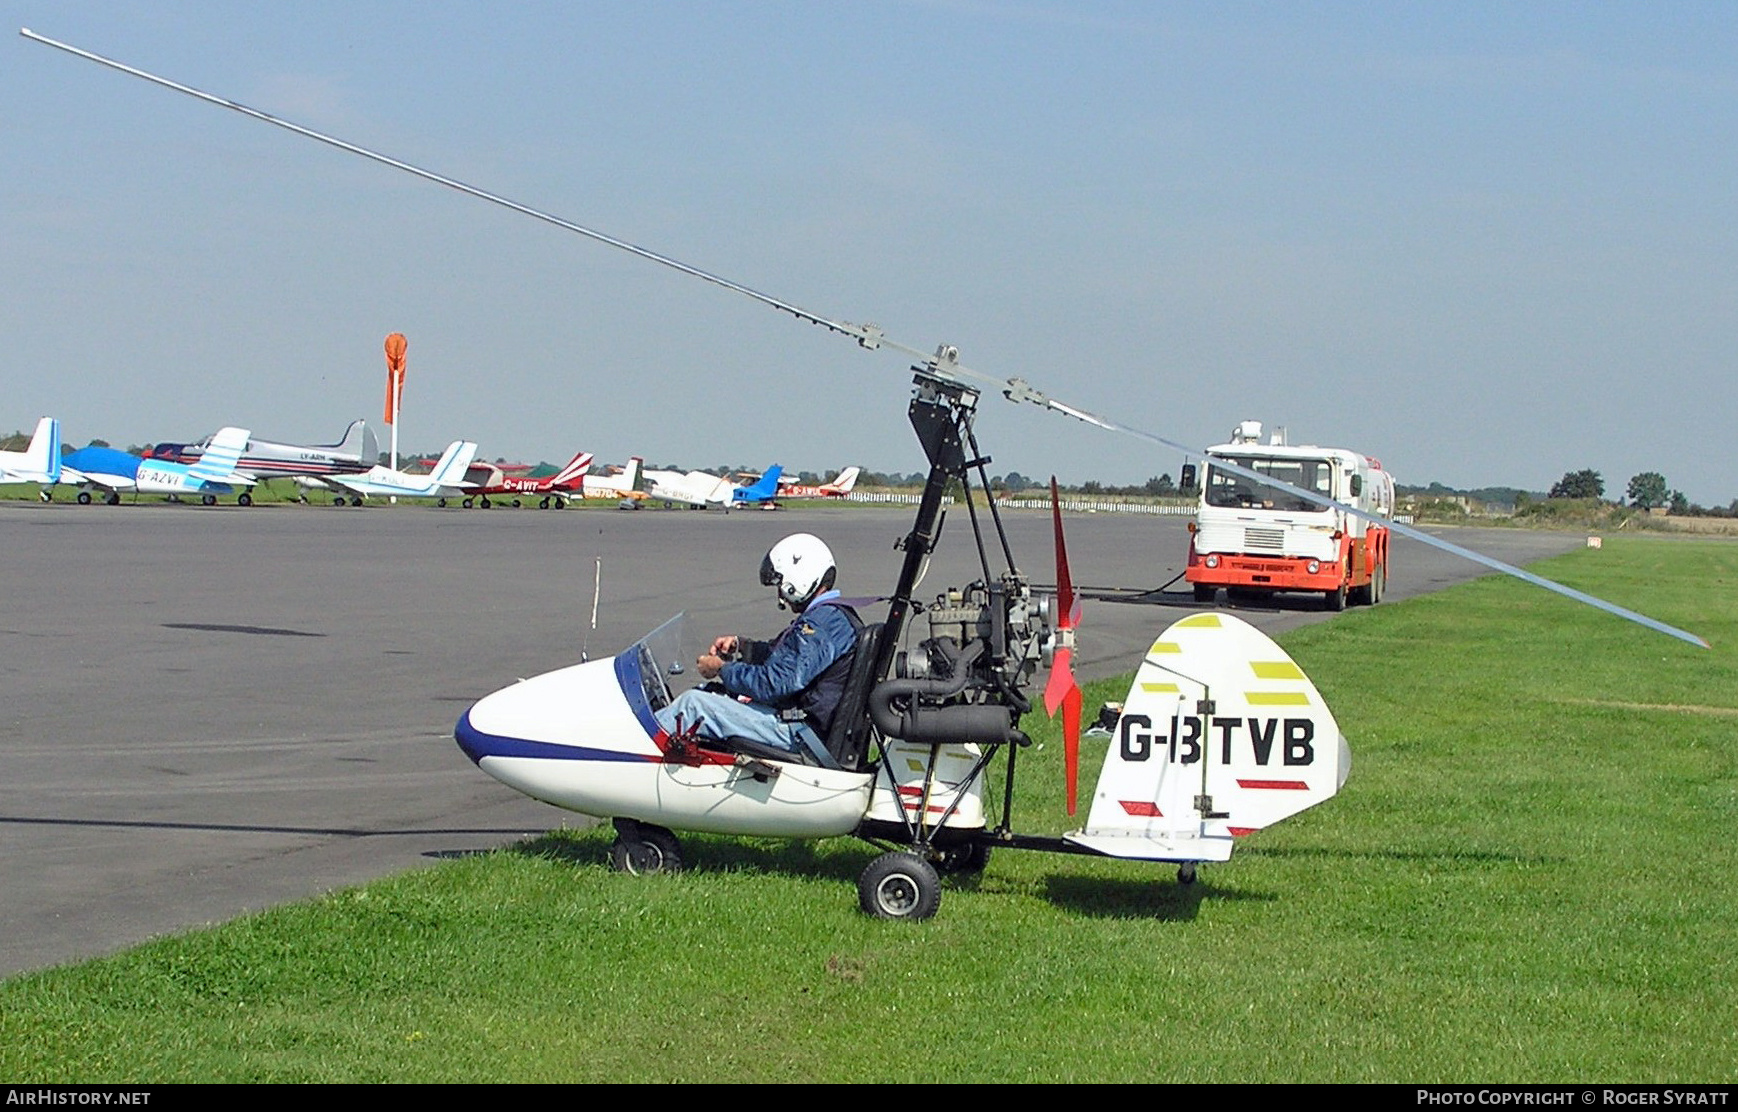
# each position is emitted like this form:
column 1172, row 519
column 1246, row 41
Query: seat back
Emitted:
column 848, row 741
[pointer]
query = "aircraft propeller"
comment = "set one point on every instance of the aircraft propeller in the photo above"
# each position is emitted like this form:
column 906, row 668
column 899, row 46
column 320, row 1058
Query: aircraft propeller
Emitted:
column 1062, row 690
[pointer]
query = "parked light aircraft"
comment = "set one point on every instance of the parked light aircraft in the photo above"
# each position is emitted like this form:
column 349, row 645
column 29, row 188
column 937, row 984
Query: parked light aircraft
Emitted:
column 935, row 716
column 618, row 484
column 702, row 489
column 444, row 482
column 485, row 479
column 762, row 492
column 698, row 489
column 39, row 462
column 840, row 487
column 116, row 471
column 310, row 465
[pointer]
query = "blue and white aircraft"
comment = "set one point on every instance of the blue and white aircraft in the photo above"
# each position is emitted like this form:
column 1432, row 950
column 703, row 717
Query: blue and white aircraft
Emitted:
column 447, row 480
column 763, row 492
column 40, row 460
column 116, row 471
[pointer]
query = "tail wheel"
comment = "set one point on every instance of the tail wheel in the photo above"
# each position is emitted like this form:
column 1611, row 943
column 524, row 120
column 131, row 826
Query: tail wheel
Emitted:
column 899, row 886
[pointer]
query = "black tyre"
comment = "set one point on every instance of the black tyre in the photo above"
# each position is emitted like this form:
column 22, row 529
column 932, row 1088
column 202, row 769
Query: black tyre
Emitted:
column 1378, row 584
column 466, row 503
column 1335, row 600
column 84, row 497
column 966, row 857
column 1186, row 873
column 1204, row 593
column 899, row 886
column 244, row 500
column 645, row 851
column 208, row 499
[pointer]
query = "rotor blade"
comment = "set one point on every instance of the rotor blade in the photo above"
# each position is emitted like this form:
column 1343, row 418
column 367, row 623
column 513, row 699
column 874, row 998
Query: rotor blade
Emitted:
column 868, row 336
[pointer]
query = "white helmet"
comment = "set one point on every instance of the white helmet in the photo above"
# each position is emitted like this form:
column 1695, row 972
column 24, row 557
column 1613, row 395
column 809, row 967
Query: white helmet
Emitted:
column 801, row 567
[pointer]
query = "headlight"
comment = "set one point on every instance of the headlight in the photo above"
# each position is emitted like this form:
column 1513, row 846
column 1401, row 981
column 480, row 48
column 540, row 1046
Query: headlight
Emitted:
column 1314, row 566
column 1211, row 561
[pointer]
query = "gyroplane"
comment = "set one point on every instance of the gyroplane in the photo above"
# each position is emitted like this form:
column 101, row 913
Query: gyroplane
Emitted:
column 1221, row 733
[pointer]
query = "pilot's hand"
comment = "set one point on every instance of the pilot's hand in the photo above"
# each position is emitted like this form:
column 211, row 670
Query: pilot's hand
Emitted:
column 709, row 665
column 724, row 647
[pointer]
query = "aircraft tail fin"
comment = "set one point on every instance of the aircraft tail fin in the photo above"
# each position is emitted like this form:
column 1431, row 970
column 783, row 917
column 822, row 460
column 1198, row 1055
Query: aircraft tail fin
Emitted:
column 630, row 476
column 217, row 464
column 762, row 489
column 844, row 484
column 573, row 474
column 359, row 441
column 454, row 462
column 42, row 457
column 1222, row 734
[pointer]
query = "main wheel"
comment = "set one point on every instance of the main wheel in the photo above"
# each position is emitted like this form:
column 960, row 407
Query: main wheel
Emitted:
column 899, row 886
column 84, row 497
column 113, row 499
column 517, row 504
column 208, row 499
column 641, row 849
column 484, row 503
column 1186, row 873
column 244, row 499
column 466, row 503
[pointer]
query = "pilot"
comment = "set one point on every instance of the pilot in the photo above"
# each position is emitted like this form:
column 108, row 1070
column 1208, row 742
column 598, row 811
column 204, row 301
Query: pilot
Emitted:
column 781, row 693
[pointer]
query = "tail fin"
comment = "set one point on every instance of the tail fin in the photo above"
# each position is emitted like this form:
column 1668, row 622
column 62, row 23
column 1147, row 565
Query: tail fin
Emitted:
column 450, row 470
column 764, row 487
column 572, row 474
column 630, row 476
column 218, row 462
column 842, row 485
column 42, row 457
column 359, row 442
column 1222, row 734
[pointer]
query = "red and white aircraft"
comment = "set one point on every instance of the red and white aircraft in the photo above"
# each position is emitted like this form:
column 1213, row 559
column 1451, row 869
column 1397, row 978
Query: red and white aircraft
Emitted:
column 490, row 478
column 840, row 487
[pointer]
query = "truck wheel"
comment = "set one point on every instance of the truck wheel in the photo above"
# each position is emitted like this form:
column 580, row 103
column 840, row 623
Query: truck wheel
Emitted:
column 1204, row 593
column 1335, row 600
column 1378, row 584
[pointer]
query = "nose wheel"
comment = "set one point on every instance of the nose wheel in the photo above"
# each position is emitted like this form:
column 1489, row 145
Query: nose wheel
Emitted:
column 641, row 849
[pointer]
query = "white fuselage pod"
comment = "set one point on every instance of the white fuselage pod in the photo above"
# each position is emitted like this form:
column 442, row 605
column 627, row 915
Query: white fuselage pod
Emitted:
column 1221, row 735
column 584, row 738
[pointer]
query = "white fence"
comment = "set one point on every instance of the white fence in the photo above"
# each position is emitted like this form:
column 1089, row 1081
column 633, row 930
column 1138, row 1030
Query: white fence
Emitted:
column 1078, row 505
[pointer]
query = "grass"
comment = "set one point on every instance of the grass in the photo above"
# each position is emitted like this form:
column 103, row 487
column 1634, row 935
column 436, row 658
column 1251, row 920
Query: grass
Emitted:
column 1529, row 877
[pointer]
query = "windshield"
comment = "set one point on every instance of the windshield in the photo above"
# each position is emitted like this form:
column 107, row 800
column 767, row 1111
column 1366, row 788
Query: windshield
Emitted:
column 1228, row 491
column 666, row 661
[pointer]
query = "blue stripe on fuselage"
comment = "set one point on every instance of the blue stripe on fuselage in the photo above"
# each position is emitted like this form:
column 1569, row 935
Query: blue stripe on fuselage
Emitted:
column 478, row 744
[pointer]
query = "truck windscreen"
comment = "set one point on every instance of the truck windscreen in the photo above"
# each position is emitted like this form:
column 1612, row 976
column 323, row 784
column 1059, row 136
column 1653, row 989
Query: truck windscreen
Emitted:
column 1227, row 491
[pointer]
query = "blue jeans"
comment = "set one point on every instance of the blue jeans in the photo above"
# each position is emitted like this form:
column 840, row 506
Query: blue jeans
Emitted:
column 722, row 716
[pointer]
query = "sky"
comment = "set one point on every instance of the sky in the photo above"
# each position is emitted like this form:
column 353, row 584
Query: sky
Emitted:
column 1486, row 243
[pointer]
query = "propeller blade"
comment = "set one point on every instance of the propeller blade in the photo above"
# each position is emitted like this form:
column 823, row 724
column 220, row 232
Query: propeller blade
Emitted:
column 1061, row 690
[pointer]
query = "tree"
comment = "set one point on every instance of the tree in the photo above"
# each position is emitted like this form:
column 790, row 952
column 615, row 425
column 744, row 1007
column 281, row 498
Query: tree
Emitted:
column 1680, row 505
column 1648, row 490
column 1162, row 485
column 1579, row 484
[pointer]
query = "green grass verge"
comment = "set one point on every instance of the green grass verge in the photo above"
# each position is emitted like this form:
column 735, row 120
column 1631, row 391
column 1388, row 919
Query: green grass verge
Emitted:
column 1529, row 877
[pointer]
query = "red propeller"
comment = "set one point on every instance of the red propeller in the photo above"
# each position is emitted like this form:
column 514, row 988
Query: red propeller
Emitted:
column 1062, row 690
